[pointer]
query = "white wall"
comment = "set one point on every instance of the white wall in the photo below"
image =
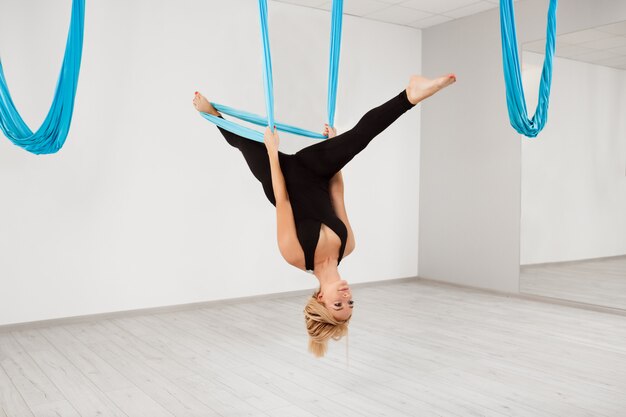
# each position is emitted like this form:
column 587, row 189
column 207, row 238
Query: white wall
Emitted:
column 146, row 205
column 470, row 158
column 574, row 177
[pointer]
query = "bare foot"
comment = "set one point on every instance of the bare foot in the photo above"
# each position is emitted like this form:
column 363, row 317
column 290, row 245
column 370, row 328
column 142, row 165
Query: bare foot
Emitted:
column 203, row 105
column 420, row 87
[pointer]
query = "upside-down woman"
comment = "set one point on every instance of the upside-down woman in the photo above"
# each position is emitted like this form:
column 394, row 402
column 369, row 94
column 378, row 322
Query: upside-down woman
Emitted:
column 313, row 230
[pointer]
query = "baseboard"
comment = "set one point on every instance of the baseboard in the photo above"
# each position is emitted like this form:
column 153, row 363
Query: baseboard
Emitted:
column 574, row 261
column 529, row 297
column 171, row 308
column 232, row 301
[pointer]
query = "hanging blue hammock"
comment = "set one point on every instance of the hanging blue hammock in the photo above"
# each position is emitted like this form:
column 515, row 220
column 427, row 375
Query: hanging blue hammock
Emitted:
column 335, row 44
column 50, row 137
column 515, row 100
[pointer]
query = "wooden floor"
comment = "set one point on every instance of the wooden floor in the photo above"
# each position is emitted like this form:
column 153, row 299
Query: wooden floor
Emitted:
column 416, row 349
column 597, row 281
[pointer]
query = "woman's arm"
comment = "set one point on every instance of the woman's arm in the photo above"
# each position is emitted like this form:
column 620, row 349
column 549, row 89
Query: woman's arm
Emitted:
column 335, row 188
column 287, row 237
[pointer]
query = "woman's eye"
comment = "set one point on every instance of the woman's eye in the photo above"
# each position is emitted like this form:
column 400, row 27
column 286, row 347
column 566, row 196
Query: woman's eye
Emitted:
column 337, row 304
column 350, row 303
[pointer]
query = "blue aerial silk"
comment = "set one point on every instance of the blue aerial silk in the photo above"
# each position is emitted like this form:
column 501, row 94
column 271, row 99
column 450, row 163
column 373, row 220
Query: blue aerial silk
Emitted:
column 51, row 135
column 516, row 102
column 333, row 71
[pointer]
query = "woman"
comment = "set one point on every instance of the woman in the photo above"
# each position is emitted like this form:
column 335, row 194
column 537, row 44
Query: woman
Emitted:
column 314, row 232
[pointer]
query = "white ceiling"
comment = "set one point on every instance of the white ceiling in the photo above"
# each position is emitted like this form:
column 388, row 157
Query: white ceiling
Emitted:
column 603, row 45
column 414, row 13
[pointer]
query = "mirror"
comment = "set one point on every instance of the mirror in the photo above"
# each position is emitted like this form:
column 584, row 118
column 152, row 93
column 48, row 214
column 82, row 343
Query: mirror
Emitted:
column 573, row 205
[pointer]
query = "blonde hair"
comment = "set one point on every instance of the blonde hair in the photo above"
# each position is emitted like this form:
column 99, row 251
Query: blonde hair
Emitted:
column 321, row 326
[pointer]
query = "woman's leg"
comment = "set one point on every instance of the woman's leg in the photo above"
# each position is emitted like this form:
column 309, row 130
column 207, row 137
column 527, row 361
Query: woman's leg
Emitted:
column 256, row 157
column 330, row 156
column 253, row 152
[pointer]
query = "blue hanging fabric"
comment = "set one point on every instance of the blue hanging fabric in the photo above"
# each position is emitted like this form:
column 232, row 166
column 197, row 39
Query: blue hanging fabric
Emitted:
column 51, row 135
column 337, row 14
column 516, row 102
column 268, row 82
column 333, row 66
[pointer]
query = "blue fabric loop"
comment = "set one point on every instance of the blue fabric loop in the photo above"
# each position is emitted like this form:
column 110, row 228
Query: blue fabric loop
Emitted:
column 268, row 120
column 252, row 134
column 516, row 102
column 51, row 135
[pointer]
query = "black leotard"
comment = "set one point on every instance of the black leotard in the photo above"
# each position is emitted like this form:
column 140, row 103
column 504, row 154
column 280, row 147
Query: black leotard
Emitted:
column 308, row 172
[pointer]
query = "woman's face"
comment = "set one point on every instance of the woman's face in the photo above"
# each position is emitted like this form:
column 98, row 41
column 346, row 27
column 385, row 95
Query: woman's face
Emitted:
column 337, row 298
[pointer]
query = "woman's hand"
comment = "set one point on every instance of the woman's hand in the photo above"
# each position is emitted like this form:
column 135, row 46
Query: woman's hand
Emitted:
column 271, row 141
column 329, row 132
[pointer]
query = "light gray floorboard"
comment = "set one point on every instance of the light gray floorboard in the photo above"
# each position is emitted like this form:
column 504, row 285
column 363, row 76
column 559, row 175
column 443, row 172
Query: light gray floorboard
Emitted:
column 290, row 411
column 100, row 373
column 143, row 371
column 11, row 401
column 136, row 403
column 30, row 382
column 55, row 409
column 596, row 281
column 82, row 394
column 415, row 348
